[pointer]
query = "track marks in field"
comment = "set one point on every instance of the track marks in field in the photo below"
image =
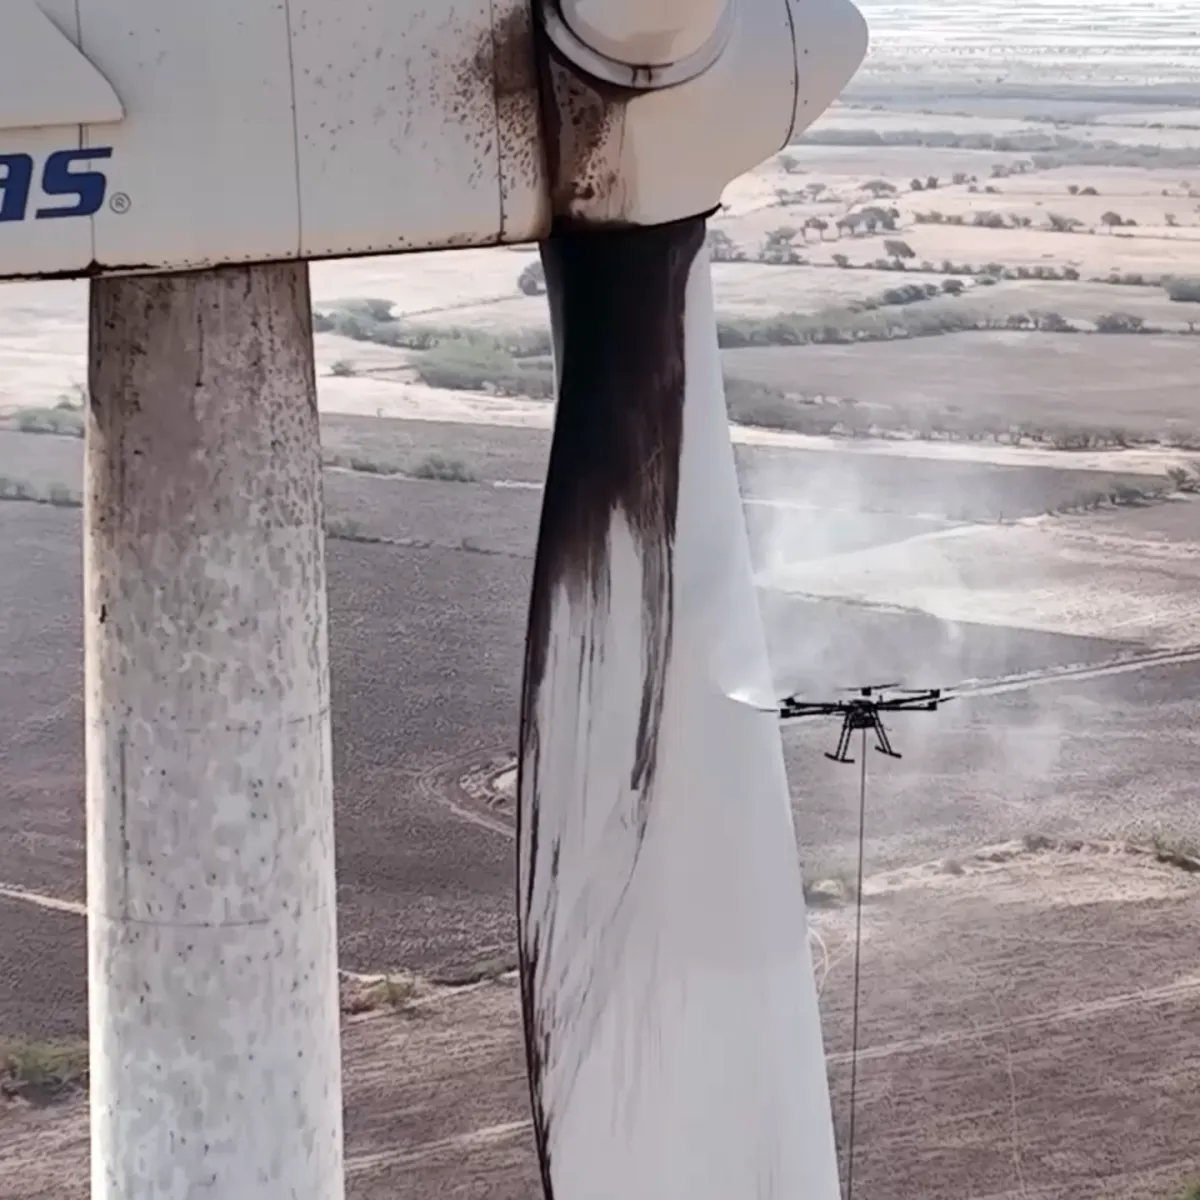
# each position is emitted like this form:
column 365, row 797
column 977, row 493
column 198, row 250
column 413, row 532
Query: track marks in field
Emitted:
column 1181, row 989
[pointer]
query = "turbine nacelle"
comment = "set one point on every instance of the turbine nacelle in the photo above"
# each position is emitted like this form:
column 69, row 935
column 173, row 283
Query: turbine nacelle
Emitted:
column 161, row 135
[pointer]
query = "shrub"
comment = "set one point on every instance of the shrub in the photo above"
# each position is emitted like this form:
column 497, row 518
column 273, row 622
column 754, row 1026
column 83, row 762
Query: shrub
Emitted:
column 45, row 1067
column 16, row 489
column 1186, row 290
column 343, row 367
column 533, row 343
column 532, row 280
column 1119, row 323
column 469, row 365
column 777, row 248
column 722, row 248
column 1184, row 480
column 898, row 249
column 65, row 422
column 448, row 470
column 370, row 307
column 62, row 496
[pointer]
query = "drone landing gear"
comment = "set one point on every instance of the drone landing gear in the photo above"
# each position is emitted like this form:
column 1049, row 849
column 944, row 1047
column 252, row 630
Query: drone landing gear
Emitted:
column 854, row 721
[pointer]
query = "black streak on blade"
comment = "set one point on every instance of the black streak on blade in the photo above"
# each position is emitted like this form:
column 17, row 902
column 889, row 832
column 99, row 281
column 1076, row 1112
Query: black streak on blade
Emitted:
column 617, row 301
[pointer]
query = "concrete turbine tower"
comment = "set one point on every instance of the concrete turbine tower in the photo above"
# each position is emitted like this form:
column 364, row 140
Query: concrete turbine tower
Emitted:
column 189, row 159
column 672, row 1031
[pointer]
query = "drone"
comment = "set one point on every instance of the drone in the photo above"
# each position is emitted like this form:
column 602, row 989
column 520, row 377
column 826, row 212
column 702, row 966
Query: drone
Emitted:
column 863, row 712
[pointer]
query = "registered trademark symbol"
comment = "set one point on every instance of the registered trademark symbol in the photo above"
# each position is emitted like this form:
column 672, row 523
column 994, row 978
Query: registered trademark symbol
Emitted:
column 119, row 203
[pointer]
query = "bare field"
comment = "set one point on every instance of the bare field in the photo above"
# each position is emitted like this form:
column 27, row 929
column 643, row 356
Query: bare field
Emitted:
column 426, row 637
column 1043, row 379
column 991, row 1105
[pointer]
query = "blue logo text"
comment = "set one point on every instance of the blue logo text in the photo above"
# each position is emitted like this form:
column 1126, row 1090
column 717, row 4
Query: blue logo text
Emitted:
column 60, row 179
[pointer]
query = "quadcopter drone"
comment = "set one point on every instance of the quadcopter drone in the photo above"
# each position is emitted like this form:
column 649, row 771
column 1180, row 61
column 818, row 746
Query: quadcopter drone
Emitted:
column 862, row 713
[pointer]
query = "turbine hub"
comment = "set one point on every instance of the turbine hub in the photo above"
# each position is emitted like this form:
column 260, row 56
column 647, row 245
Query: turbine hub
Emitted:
column 644, row 44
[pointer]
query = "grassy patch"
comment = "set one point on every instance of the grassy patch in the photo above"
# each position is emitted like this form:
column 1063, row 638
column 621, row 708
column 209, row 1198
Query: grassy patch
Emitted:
column 1185, row 479
column 388, row 993
column 16, row 489
column 435, row 466
column 1045, row 150
column 831, row 891
column 447, row 470
column 477, row 972
column 356, row 462
column 42, row 1071
column 66, row 422
column 1121, row 495
column 57, row 494
column 346, row 529
column 372, row 320
column 473, row 366
column 1176, row 852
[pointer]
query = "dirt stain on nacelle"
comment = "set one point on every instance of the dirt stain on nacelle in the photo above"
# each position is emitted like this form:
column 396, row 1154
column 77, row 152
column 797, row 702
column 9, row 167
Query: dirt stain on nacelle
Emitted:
column 495, row 91
column 582, row 117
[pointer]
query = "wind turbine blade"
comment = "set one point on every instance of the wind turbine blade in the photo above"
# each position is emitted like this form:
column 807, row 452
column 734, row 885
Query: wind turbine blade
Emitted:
column 673, row 1037
column 831, row 43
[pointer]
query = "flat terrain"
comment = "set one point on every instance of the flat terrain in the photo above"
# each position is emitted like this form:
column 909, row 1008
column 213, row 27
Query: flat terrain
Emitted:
column 426, row 638
column 968, row 444
column 978, row 1075
column 971, row 371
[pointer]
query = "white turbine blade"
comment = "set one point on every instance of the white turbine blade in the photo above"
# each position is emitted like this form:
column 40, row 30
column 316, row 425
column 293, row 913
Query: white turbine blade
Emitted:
column 831, row 43
column 671, row 1017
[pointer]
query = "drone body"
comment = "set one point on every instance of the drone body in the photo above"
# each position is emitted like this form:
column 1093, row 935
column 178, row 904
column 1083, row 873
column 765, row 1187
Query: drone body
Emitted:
column 672, row 1033
column 862, row 714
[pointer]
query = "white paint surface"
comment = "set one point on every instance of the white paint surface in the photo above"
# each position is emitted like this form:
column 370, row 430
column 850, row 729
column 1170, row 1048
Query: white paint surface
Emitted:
column 254, row 130
column 44, row 80
column 685, row 1058
column 644, row 33
column 215, row 1061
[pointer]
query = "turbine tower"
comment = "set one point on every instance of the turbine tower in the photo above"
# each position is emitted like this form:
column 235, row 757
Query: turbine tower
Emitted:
column 189, row 160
